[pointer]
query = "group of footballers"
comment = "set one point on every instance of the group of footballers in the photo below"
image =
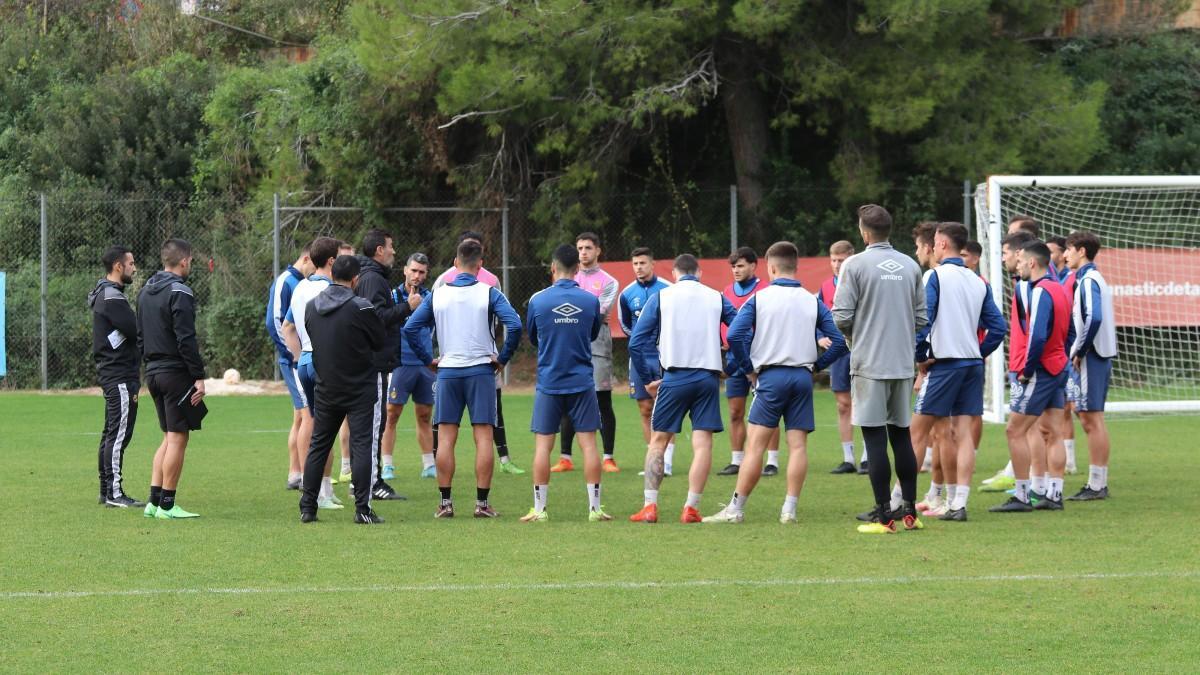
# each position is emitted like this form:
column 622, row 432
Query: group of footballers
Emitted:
column 886, row 332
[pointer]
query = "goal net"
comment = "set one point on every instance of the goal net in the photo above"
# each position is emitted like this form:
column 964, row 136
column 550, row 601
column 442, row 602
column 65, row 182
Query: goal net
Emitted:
column 1149, row 229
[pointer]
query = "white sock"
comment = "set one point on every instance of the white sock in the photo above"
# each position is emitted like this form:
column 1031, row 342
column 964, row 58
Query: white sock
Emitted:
column 295, row 475
column 1069, row 444
column 565, row 455
column 651, row 496
column 1039, row 484
column 863, row 459
column 736, row 503
column 593, row 490
column 1054, row 489
column 951, row 491
column 427, row 460
column 789, row 503
column 345, row 465
column 608, row 455
column 772, row 458
column 928, row 457
column 539, row 497
column 693, row 499
column 897, row 497
column 387, row 460
column 1008, row 470
column 960, row 497
column 738, row 456
column 1095, row 476
column 505, row 460
column 669, row 456
column 1104, row 476
column 326, row 490
column 1022, row 491
column 935, row 491
column 848, row 452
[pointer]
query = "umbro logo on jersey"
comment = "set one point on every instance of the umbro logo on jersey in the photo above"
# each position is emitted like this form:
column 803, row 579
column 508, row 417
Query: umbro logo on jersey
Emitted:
column 566, row 312
column 891, row 267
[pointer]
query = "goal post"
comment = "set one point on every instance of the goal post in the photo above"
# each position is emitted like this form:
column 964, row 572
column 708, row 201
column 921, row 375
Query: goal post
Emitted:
column 1149, row 229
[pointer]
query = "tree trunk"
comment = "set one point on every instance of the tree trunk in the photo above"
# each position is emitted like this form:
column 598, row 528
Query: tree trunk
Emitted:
column 746, row 121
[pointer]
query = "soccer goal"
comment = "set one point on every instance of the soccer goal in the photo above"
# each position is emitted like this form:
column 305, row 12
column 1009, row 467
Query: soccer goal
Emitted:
column 1149, row 228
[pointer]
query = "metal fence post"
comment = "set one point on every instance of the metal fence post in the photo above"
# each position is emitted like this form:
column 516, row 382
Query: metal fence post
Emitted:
column 733, row 224
column 504, row 260
column 967, row 205
column 275, row 266
column 45, row 293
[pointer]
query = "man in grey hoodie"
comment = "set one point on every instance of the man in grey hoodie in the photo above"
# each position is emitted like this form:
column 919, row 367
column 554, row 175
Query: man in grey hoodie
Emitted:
column 879, row 306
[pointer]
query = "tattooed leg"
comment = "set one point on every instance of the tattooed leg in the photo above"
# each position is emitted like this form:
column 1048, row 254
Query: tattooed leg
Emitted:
column 654, row 459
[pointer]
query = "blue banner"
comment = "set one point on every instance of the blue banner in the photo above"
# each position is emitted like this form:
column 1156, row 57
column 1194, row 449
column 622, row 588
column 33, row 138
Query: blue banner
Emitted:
column 3, row 353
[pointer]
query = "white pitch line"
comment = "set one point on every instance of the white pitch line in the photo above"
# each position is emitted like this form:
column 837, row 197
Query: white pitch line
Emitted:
column 604, row 585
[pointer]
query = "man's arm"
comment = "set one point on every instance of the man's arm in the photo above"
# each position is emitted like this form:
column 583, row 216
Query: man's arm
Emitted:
column 291, row 337
column 991, row 320
column 933, row 291
column 368, row 319
column 1039, row 330
column 828, row 329
column 374, row 288
column 625, row 315
column 183, row 319
column 115, row 307
column 645, row 334
column 741, row 334
column 597, row 322
column 420, row 319
column 531, row 324
column 920, row 312
column 845, row 301
column 503, row 310
column 608, row 294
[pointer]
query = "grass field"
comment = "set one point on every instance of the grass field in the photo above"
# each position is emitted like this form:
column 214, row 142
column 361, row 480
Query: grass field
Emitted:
column 1109, row 586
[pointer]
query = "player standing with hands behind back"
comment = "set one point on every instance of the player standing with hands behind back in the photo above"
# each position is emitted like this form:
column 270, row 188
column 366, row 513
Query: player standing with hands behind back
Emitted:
column 166, row 317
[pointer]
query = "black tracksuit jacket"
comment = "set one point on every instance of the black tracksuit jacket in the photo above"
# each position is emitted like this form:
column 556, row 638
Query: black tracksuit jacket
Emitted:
column 166, row 317
column 111, row 312
column 345, row 332
column 374, row 286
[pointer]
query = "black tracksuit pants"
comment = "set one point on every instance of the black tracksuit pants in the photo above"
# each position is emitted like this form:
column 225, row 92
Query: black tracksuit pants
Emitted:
column 326, row 423
column 120, row 413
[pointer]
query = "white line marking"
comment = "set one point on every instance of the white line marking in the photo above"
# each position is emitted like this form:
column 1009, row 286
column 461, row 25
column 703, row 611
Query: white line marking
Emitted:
column 605, row 585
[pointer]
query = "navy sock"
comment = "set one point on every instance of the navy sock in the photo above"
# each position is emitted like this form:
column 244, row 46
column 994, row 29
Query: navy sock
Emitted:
column 481, row 494
column 167, row 501
column 155, row 494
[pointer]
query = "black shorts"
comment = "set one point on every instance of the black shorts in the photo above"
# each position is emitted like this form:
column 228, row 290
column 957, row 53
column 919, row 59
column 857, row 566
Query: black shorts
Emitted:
column 167, row 389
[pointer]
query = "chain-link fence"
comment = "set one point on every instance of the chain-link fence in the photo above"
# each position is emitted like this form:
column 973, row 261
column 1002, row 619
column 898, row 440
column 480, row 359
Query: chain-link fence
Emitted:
column 50, row 247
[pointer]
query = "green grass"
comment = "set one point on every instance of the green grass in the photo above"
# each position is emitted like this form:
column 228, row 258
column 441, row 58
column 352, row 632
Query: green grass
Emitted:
column 466, row 595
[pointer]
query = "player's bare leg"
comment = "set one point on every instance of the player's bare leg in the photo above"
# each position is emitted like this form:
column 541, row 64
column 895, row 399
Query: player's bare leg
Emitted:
column 797, row 471
column 447, row 437
column 543, row 445
column 737, row 436
column 1068, row 435
column 698, row 474
column 1099, row 448
column 1019, row 441
column 652, row 477
column 845, row 432
column 294, row 465
column 389, row 439
column 645, row 409
column 957, row 438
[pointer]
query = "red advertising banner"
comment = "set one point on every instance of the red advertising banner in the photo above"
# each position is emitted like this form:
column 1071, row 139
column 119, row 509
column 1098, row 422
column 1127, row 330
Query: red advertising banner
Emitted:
column 715, row 273
column 1153, row 287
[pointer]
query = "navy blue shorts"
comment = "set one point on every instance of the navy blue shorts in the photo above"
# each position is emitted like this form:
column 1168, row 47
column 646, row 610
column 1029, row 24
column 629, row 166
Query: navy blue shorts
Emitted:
column 415, row 381
column 307, row 375
column 287, row 372
column 948, row 392
column 1088, row 386
column 1043, row 391
column 700, row 400
column 637, row 388
column 548, row 411
column 737, row 386
column 839, row 374
column 783, row 393
column 475, row 393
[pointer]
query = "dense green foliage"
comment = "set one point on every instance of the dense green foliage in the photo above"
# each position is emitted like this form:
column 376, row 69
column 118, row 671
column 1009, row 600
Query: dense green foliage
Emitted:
column 627, row 117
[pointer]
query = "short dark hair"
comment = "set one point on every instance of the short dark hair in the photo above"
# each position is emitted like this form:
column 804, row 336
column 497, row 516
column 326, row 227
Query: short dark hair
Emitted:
column 588, row 236
column 743, row 253
column 923, row 233
column 1017, row 240
column 322, row 250
column 469, row 253
column 639, row 252
column 956, row 233
column 783, row 254
column 687, row 264
column 1039, row 251
column 876, row 219
column 1026, row 223
column 1088, row 241
column 373, row 240
column 418, row 258
column 470, row 234
column 174, row 251
column 115, row 254
column 345, row 268
column 973, row 247
column 1060, row 242
column 566, row 258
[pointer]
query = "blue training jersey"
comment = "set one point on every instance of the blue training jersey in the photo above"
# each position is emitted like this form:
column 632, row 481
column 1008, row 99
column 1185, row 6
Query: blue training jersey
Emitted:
column 407, row 356
column 279, row 298
column 562, row 321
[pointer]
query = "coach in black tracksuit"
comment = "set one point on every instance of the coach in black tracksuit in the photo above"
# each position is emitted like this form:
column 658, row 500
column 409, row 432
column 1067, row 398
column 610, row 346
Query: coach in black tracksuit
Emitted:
column 114, row 348
column 345, row 331
column 375, row 287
